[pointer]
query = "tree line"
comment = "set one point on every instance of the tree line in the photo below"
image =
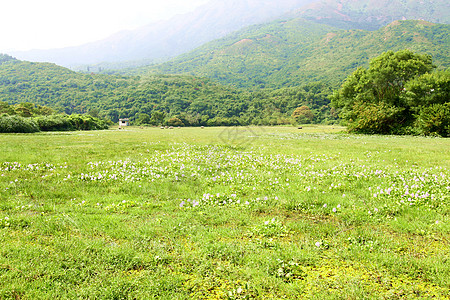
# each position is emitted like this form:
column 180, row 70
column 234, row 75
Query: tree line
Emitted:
column 400, row 93
column 193, row 101
column 29, row 118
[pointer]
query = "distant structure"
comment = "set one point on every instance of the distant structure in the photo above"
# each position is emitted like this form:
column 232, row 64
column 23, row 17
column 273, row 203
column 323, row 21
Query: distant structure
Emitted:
column 124, row 122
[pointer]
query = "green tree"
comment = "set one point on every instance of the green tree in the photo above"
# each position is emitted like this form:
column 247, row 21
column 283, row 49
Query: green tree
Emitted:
column 427, row 89
column 303, row 115
column 380, row 89
column 434, row 120
column 142, row 119
column 175, row 122
column 94, row 112
column 157, row 118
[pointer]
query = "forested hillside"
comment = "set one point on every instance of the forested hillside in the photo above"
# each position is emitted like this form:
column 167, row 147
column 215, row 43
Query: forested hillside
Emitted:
column 159, row 41
column 293, row 52
column 192, row 100
column 373, row 14
column 57, row 87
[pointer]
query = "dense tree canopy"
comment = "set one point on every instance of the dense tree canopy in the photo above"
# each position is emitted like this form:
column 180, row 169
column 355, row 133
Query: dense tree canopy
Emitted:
column 288, row 53
column 387, row 97
column 195, row 101
column 28, row 117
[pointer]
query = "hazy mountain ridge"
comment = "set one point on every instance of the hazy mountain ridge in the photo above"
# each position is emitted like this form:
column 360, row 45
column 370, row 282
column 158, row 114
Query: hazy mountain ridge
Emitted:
column 305, row 52
column 194, row 101
column 163, row 40
column 373, row 14
column 167, row 39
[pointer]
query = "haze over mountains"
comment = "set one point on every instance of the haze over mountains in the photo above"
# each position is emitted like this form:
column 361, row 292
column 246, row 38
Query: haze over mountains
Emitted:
column 373, row 14
column 169, row 38
column 285, row 53
column 160, row 41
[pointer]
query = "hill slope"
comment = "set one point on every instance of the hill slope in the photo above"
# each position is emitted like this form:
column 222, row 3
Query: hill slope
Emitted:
column 169, row 38
column 373, row 14
column 160, row 41
column 288, row 53
column 196, row 101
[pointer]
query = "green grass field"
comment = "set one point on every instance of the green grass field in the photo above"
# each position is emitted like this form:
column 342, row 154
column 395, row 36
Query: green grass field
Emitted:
column 224, row 213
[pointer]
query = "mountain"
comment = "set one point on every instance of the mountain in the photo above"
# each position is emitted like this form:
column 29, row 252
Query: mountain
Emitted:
column 195, row 101
column 297, row 51
column 55, row 86
column 165, row 39
column 373, row 14
column 158, row 42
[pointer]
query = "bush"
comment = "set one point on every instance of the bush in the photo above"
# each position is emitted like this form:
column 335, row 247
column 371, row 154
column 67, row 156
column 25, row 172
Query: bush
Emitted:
column 17, row 124
column 388, row 97
column 303, row 115
column 87, row 122
column 175, row 122
column 54, row 123
column 434, row 119
column 142, row 119
column 375, row 118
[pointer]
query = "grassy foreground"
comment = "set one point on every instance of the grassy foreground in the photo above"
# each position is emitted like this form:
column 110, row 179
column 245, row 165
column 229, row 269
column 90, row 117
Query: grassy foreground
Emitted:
column 224, row 213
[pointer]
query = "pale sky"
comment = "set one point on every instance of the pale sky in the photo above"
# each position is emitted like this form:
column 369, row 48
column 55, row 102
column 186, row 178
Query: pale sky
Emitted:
column 45, row 24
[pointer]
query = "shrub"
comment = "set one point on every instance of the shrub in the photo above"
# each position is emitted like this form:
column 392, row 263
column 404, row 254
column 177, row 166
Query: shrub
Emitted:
column 303, row 115
column 142, row 119
column 87, row 122
column 434, row 119
column 17, row 124
column 374, row 118
column 175, row 122
column 54, row 123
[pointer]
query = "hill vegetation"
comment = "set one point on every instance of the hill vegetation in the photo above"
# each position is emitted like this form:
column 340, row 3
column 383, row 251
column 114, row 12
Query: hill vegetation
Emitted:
column 195, row 101
column 28, row 118
column 399, row 93
column 283, row 72
column 161, row 41
column 286, row 53
column 373, row 14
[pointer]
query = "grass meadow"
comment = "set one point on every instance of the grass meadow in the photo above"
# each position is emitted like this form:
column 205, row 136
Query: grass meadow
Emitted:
column 224, row 213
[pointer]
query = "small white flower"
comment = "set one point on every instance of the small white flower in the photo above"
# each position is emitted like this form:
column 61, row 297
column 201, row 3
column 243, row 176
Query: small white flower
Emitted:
column 318, row 244
column 325, row 205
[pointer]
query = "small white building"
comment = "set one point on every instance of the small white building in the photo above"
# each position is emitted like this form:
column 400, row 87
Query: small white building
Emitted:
column 124, row 122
